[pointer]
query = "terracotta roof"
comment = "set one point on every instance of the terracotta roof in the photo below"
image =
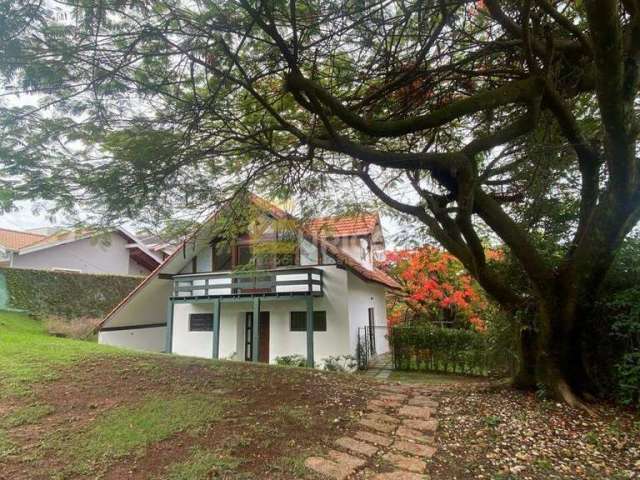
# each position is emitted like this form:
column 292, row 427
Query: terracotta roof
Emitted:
column 60, row 236
column 364, row 223
column 345, row 226
column 14, row 239
column 374, row 275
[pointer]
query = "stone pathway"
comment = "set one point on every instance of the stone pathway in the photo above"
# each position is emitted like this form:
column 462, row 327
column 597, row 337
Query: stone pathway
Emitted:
column 380, row 367
column 393, row 439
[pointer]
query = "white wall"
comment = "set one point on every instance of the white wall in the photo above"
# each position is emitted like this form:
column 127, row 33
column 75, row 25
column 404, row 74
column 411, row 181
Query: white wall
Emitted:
column 137, row 269
column 90, row 255
column 357, row 248
column 362, row 296
column 335, row 341
column 148, row 306
column 148, row 339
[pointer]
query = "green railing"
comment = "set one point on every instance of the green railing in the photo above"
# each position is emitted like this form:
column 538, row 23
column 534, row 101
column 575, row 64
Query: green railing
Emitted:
column 280, row 281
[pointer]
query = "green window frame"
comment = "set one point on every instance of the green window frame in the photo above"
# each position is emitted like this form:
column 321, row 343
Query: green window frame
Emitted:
column 201, row 322
column 298, row 321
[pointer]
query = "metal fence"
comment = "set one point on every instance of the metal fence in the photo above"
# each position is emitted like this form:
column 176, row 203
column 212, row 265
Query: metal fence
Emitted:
column 369, row 344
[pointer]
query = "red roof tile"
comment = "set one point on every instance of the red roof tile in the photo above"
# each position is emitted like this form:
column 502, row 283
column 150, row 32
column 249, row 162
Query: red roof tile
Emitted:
column 351, row 226
column 14, row 239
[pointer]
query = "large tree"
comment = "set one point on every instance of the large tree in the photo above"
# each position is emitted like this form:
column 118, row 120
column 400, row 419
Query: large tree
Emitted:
column 508, row 121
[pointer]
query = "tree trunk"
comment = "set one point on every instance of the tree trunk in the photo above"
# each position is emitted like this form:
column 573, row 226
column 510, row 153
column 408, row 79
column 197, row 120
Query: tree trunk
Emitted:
column 551, row 353
column 525, row 377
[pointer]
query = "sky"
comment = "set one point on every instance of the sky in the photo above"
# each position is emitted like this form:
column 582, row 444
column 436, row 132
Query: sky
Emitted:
column 29, row 216
column 25, row 218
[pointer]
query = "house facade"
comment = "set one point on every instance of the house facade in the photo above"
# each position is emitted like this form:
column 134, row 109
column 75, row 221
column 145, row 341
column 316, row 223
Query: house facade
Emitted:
column 115, row 252
column 312, row 299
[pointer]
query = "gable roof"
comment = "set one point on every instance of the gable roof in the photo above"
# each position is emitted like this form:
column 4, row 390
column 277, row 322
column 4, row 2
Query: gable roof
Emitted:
column 140, row 253
column 344, row 226
column 15, row 240
column 375, row 275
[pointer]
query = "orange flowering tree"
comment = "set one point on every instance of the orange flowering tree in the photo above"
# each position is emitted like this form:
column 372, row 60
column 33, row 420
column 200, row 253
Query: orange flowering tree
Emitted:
column 435, row 287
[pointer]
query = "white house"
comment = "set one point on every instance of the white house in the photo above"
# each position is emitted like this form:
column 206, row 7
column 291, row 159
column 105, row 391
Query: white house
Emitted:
column 202, row 300
column 116, row 252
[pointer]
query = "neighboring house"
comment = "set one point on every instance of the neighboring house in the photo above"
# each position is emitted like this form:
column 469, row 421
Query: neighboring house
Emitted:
column 13, row 240
column 202, row 301
column 115, row 252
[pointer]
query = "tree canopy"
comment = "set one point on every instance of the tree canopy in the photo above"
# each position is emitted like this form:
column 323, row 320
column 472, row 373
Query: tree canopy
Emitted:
column 513, row 121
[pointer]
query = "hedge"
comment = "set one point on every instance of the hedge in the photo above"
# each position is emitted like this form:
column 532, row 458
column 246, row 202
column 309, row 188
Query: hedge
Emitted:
column 66, row 294
column 439, row 349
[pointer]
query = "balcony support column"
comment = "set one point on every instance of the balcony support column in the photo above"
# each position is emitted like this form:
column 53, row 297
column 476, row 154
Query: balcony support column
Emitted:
column 255, row 330
column 215, row 354
column 310, row 359
column 168, row 342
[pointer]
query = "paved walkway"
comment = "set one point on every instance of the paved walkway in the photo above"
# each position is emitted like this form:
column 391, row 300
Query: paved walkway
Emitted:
column 393, row 439
column 380, row 367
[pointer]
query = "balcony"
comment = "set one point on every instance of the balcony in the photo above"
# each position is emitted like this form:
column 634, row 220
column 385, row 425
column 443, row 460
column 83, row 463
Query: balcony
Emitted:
column 278, row 282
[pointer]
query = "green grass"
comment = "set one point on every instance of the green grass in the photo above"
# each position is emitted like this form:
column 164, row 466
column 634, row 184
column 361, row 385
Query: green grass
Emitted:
column 29, row 355
column 201, row 464
column 26, row 415
column 128, row 430
column 6, row 445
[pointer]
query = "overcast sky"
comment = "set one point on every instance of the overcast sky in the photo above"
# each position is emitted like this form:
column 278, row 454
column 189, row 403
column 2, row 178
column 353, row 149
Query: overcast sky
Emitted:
column 25, row 218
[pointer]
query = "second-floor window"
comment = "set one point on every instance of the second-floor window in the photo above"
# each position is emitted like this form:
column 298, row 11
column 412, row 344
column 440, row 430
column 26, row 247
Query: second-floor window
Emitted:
column 221, row 258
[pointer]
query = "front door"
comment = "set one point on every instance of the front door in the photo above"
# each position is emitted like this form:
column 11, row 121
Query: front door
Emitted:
column 263, row 335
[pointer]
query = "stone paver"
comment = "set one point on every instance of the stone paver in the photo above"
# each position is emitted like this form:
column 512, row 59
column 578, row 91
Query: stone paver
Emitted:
column 373, row 438
column 400, row 475
column 418, row 412
column 385, row 403
column 381, row 417
column 417, row 449
column 405, row 462
column 415, row 435
column 422, row 425
column 394, row 388
column 393, row 397
column 377, row 406
column 423, row 402
column 398, row 427
column 356, row 446
column 339, row 466
column 378, row 426
column 345, row 458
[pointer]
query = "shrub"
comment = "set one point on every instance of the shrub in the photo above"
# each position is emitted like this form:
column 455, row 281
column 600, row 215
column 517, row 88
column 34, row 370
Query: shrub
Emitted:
column 291, row 361
column 65, row 294
column 432, row 348
column 79, row 328
column 340, row 363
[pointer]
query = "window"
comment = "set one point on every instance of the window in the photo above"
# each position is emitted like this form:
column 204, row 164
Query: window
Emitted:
column 244, row 255
column 220, row 257
column 299, row 321
column 201, row 322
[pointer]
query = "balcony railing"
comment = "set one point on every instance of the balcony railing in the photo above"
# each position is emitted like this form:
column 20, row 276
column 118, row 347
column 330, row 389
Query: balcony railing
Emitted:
column 276, row 282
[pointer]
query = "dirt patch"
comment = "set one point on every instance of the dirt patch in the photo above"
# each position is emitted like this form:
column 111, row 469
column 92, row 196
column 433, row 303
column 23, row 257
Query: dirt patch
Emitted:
column 277, row 415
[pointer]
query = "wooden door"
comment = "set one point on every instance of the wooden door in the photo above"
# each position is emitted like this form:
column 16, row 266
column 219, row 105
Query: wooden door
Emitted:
column 263, row 335
column 263, row 353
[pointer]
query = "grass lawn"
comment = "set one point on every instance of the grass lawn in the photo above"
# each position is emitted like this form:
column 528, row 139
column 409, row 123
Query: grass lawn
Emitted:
column 71, row 409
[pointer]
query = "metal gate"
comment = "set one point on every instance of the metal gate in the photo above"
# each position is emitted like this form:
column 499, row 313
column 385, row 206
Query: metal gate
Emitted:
column 367, row 348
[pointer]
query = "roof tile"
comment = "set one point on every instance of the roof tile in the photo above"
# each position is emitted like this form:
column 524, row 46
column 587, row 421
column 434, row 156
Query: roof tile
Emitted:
column 345, row 226
column 14, row 239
